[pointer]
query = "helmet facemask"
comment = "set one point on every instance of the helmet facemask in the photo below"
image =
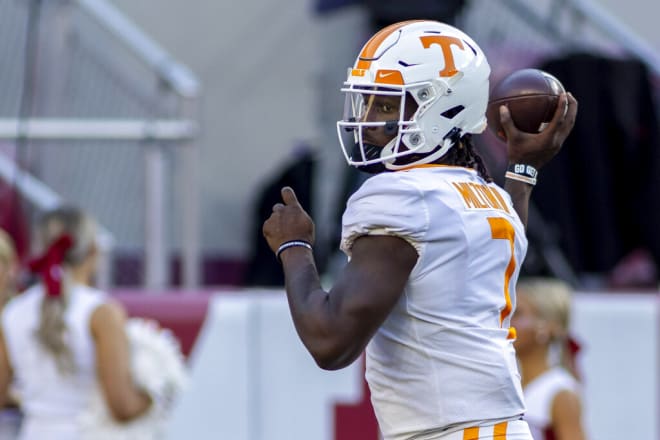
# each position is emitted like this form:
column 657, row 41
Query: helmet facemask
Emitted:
column 367, row 121
column 410, row 144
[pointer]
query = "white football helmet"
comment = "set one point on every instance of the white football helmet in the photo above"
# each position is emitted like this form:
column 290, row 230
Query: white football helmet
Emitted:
column 441, row 68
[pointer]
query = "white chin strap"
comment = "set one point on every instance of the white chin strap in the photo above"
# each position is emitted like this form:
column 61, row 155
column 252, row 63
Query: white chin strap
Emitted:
column 446, row 145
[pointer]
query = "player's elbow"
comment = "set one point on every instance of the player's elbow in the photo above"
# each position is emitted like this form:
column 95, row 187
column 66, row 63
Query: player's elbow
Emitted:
column 333, row 349
column 334, row 358
column 333, row 364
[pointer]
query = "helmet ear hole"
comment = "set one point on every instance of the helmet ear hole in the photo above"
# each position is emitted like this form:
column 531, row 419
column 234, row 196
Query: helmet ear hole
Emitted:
column 415, row 139
column 424, row 94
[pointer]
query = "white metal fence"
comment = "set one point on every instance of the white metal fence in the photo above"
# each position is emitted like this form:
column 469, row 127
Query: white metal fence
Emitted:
column 105, row 119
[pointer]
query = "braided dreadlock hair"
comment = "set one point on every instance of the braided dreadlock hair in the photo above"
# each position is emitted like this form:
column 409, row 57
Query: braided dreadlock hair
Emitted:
column 464, row 154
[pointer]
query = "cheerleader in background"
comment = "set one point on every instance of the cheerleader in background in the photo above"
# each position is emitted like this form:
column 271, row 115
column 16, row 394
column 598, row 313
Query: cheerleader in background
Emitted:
column 546, row 357
column 65, row 343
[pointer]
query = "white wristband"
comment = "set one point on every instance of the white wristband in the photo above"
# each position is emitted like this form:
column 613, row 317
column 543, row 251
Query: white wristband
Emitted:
column 293, row 243
column 520, row 178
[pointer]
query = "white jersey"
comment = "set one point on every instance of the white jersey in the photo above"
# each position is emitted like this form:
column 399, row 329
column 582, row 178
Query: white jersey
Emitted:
column 51, row 402
column 444, row 356
column 539, row 395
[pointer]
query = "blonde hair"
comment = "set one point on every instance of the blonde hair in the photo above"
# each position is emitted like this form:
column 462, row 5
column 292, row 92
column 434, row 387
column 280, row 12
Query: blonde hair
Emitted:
column 51, row 226
column 552, row 300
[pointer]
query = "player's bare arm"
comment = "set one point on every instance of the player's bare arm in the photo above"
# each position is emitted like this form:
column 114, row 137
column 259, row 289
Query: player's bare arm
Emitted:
column 335, row 326
column 536, row 149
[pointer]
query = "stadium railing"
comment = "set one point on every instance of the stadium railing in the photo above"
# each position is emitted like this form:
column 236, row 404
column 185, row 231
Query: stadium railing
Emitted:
column 93, row 107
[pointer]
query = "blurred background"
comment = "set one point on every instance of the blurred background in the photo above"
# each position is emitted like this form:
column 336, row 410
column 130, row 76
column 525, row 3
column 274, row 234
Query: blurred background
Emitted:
column 176, row 123
column 174, row 127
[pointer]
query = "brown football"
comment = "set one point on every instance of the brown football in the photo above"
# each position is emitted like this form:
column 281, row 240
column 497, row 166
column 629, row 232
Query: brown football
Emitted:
column 530, row 94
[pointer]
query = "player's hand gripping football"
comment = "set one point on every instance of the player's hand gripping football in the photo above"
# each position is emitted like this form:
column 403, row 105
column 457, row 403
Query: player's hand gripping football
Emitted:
column 537, row 149
column 289, row 221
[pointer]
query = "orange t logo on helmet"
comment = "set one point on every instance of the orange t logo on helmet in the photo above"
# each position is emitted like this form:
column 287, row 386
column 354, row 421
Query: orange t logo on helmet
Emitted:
column 445, row 42
column 368, row 53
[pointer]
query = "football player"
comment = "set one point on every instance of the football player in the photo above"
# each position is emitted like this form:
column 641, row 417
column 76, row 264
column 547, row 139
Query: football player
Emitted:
column 434, row 246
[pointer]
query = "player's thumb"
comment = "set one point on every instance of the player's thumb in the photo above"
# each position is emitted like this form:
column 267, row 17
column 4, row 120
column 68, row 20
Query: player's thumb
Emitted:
column 289, row 196
column 505, row 119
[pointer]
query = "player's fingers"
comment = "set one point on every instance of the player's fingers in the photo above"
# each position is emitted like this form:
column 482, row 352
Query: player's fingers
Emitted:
column 265, row 229
column 560, row 112
column 505, row 120
column 289, row 196
column 278, row 207
column 568, row 119
column 572, row 108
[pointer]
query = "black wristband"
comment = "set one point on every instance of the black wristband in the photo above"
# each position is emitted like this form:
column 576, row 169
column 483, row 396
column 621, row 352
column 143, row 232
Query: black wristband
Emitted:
column 293, row 243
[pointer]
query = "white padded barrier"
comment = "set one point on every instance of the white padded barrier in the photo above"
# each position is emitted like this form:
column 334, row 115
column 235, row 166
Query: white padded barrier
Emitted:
column 620, row 362
column 252, row 378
